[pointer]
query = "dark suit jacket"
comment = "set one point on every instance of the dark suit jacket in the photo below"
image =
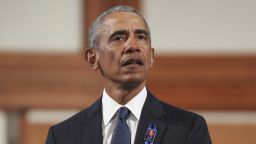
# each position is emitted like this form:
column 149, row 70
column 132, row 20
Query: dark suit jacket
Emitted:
column 174, row 126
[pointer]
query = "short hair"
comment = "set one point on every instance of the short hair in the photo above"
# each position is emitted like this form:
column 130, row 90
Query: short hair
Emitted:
column 96, row 27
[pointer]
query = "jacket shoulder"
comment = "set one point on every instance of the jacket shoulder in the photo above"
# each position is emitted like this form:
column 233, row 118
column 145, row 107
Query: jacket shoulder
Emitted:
column 194, row 124
column 73, row 123
column 180, row 116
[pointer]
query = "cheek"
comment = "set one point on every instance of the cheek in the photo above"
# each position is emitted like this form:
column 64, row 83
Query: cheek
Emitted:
column 146, row 50
column 109, row 59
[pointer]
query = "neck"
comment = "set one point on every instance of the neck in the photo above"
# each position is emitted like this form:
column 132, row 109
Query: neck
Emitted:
column 123, row 93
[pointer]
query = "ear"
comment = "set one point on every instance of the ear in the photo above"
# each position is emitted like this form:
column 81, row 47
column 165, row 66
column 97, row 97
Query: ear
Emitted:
column 152, row 58
column 91, row 56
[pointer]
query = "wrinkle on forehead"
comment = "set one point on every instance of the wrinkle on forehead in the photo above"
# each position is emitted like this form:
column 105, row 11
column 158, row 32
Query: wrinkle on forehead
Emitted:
column 123, row 20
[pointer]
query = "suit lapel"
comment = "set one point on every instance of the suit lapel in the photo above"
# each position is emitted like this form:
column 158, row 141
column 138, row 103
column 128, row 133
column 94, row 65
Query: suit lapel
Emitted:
column 151, row 113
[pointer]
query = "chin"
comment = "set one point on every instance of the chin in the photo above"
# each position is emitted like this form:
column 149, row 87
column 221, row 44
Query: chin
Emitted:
column 133, row 80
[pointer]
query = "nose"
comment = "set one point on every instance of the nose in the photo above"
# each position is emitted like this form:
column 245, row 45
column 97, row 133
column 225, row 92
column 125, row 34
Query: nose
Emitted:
column 132, row 46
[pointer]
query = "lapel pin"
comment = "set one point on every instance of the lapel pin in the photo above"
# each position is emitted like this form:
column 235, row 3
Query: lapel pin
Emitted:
column 150, row 134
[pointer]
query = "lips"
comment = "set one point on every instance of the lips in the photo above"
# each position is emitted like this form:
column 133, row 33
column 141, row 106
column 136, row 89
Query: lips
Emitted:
column 132, row 61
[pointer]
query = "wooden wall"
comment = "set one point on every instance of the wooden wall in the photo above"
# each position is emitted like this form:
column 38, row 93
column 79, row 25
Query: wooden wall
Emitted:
column 65, row 81
column 206, row 82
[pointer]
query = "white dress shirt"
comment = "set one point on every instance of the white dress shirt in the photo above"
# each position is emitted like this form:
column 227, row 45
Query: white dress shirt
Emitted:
column 109, row 109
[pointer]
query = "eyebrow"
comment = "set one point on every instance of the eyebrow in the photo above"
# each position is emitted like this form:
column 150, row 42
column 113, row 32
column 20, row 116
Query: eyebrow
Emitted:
column 126, row 32
column 119, row 32
column 141, row 31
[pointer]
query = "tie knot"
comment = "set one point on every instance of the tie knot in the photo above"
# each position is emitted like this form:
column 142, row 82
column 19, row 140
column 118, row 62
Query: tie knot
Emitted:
column 123, row 113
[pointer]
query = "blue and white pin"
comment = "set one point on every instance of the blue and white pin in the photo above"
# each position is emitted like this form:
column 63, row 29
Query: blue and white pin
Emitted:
column 150, row 134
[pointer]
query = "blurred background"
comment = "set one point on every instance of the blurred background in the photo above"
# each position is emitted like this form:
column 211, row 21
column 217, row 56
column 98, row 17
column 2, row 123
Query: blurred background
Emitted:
column 205, row 62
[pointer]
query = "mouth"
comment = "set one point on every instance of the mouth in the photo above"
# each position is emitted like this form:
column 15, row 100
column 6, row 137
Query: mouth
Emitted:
column 133, row 62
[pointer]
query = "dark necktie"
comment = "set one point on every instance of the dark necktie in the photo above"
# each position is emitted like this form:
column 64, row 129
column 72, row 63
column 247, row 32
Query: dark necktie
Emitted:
column 121, row 134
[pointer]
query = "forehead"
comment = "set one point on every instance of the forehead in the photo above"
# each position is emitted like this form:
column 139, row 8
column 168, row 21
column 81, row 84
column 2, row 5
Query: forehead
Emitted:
column 123, row 20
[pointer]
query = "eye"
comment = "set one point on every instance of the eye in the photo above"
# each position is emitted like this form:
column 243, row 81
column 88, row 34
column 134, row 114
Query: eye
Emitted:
column 141, row 37
column 119, row 38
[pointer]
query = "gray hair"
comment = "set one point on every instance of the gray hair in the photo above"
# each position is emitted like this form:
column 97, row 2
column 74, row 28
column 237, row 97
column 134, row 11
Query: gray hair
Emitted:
column 97, row 25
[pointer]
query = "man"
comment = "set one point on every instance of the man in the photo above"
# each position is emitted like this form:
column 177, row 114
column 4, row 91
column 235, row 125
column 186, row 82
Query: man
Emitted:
column 127, row 113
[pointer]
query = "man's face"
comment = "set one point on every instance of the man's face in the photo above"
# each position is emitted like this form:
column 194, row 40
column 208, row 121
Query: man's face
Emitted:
column 124, row 48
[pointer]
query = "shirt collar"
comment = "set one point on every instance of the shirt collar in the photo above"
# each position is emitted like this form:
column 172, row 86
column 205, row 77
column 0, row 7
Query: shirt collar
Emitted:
column 110, row 106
